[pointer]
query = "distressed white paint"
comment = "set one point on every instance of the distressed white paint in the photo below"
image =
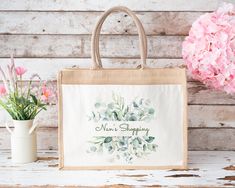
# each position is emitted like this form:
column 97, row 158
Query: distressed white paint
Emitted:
column 164, row 23
column 150, row 5
column 205, row 168
column 198, row 93
column 211, row 116
column 79, row 46
column 48, row 68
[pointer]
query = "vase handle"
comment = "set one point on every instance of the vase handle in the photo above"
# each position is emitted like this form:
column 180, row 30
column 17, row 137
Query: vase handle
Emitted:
column 8, row 128
column 33, row 128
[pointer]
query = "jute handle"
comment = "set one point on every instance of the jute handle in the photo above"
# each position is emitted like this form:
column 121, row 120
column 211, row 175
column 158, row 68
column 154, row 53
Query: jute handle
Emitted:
column 95, row 54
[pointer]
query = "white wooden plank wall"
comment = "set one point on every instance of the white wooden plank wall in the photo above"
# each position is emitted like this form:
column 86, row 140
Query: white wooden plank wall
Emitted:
column 47, row 36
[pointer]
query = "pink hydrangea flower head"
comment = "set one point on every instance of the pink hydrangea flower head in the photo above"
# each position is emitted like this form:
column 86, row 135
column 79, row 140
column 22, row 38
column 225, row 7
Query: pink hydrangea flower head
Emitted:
column 209, row 50
column 20, row 70
column 3, row 90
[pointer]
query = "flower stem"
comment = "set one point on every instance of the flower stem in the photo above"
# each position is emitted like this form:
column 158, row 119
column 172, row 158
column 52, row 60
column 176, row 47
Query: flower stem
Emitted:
column 21, row 86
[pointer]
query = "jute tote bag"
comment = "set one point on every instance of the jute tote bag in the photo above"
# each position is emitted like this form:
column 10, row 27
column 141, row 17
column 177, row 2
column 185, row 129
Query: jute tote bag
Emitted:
column 122, row 118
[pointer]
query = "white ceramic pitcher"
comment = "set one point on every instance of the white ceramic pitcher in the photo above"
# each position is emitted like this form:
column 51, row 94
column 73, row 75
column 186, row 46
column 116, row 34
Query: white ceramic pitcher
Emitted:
column 23, row 141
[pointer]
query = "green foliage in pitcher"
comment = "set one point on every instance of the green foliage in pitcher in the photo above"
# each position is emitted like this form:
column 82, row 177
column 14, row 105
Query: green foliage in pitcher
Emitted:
column 23, row 101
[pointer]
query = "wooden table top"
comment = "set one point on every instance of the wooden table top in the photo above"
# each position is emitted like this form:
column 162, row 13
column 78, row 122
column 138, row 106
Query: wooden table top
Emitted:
column 206, row 169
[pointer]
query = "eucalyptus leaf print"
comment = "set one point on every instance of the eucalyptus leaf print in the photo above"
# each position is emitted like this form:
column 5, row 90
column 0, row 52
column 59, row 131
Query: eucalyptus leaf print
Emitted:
column 127, row 148
column 137, row 110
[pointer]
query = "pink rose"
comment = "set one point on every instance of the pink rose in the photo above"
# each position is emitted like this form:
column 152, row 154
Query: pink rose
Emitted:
column 20, row 71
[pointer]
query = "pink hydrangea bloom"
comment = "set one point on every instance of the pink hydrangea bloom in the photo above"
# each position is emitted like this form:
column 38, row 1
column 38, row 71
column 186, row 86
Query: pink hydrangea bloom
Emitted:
column 3, row 90
column 209, row 50
column 20, row 71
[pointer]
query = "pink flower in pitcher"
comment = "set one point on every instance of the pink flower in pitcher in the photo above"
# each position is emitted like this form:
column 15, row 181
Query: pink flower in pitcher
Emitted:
column 20, row 71
column 3, row 90
column 46, row 93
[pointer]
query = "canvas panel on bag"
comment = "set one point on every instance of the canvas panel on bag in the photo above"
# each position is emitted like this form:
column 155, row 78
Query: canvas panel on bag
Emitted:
column 122, row 118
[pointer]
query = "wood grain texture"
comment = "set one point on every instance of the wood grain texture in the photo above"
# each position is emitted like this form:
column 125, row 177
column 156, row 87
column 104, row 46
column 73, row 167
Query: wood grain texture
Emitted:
column 207, row 116
column 197, row 94
column 199, row 139
column 85, row 5
column 79, row 46
column 212, row 139
column 46, row 138
column 48, row 68
column 200, row 116
column 206, row 169
column 163, row 23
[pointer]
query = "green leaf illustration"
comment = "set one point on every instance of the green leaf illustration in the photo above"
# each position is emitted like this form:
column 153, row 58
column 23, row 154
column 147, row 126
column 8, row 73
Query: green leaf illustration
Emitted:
column 151, row 111
column 149, row 139
column 132, row 118
column 127, row 147
column 107, row 139
column 97, row 105
column 135, row 104
column 123, row 147
column 117, row 110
